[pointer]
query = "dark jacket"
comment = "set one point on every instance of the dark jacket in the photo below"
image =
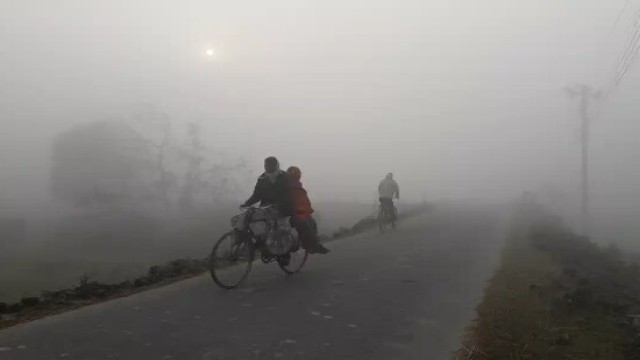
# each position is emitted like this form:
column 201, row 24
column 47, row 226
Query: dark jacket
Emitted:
column 273, row 193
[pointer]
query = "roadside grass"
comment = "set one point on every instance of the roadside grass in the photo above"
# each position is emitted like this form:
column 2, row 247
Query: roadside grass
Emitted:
column 89, row 292
column 556, row 296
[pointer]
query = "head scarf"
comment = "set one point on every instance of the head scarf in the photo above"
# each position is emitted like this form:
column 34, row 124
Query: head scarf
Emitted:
column 294, row 173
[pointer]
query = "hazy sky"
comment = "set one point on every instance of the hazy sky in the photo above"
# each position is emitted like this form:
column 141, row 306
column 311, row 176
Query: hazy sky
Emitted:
column 460, row 99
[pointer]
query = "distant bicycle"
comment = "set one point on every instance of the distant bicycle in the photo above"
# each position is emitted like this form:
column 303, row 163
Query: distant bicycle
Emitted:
column 385, row 219
column 257, row 231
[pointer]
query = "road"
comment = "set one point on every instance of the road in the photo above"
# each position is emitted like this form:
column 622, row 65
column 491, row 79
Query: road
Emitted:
column 406, row 294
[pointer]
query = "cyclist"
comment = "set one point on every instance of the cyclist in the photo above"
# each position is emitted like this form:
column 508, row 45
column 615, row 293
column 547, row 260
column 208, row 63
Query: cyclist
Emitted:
column 272, row 188
column 302, row 220
column 387, row 190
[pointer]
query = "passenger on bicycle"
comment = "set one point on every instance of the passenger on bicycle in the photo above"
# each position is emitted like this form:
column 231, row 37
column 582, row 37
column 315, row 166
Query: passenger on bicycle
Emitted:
column 387, row 190
column 272, row 188
column 302, row 220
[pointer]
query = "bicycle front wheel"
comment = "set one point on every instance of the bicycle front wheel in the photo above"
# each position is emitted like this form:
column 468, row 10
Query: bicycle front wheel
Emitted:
column 231, row 260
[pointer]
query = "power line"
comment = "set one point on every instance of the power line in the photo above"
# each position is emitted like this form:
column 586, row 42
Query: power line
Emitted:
column 615, row 23
column 630, row 63
column 627, row 64
column 633, row 29
column 612, row 28
column 632, row 40
column 627, row 58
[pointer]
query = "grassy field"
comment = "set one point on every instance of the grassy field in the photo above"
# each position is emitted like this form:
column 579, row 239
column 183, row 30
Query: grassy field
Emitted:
column 556, row 296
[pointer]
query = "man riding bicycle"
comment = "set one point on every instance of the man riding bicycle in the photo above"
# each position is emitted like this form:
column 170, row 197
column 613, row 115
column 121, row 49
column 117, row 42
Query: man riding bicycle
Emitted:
column 272, row 188
column 387, row 190
column 285, row 192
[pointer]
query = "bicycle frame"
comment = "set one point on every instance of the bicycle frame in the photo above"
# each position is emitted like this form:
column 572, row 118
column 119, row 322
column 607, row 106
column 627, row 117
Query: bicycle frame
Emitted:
column 247, row 215
column 258, row 240
column 244, row 234
column 382, row 210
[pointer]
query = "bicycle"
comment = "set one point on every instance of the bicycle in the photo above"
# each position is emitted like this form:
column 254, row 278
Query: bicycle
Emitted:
column 385, row 219
column 256, row 232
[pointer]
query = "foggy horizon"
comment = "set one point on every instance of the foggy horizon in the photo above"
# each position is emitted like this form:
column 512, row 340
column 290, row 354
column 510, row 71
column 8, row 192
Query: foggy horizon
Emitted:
column 460, row 101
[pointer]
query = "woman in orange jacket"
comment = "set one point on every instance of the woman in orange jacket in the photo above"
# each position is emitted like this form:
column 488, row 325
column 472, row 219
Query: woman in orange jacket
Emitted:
column 302, row 220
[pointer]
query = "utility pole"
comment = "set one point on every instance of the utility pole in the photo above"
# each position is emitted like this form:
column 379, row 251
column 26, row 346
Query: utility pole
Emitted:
column 585, row 95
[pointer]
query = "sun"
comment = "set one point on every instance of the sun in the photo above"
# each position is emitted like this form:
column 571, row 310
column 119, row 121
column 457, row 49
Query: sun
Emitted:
column 210, row 52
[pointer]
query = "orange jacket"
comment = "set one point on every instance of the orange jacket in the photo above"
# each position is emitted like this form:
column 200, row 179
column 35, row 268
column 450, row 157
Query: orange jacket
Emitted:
column 299, row 198
column 301, row 203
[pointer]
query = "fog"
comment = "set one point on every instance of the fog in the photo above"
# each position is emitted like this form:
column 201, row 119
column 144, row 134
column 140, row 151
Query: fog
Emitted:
column 460, row 100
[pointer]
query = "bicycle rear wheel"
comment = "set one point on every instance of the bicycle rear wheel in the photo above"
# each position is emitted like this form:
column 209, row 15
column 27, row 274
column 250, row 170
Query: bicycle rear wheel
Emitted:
column 294, row 261
column 231, row 260
column 382, row 221
column 394, row 219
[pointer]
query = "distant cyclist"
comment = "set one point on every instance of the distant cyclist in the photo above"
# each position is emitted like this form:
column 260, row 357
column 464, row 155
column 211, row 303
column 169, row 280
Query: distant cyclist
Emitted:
column 387, row 190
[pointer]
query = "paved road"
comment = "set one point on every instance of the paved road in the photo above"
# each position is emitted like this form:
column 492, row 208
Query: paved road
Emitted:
column 401, row 295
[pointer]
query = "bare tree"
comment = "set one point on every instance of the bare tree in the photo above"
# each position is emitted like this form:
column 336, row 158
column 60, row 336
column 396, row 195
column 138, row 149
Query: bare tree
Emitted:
column 193, row 153
column 161, row 150
column 103, row 162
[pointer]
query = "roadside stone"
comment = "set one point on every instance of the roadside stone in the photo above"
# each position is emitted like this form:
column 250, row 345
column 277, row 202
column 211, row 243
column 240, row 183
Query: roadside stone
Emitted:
column 563, row 339
column 140, row 282
column 14, row 308
column 94, row 290
column 61, row 297
column 30, row 301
